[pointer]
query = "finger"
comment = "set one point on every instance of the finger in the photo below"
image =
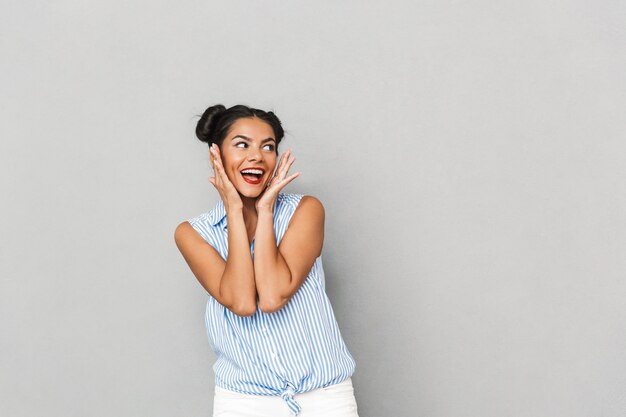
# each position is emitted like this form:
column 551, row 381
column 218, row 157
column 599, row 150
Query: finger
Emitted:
column 218, row 174
column 222, row 178
column 211, row 160
column 222, row 173
column 283, row 183
column 213, row 156
column 217, row 153
column 217, row 161
column 288, row 163
column 280, row 163
column 276, row 171
column 214, row 151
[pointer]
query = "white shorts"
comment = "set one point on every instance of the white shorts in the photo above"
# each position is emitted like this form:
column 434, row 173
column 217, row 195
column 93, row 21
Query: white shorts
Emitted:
column 333, row 401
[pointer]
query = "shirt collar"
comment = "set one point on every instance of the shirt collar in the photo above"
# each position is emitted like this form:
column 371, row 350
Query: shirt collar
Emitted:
column 218, row 214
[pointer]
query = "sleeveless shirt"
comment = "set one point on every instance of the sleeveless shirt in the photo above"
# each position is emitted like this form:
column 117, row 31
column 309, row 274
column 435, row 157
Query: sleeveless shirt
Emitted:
column 296, row 349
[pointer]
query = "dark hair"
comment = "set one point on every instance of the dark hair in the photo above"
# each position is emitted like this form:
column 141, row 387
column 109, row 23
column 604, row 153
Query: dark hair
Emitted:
column 217, row 120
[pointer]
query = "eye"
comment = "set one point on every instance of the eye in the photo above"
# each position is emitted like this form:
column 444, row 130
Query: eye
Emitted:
column 269, row 147
column 241, row 145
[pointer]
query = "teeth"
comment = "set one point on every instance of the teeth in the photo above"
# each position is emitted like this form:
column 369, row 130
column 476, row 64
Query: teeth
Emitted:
column 252, row 171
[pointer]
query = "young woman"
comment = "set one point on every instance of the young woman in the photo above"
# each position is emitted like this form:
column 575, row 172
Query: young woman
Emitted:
column 258, row 255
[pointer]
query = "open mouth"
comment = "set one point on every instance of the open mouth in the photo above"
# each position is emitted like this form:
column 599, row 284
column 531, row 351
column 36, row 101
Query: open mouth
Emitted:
column 252, row 175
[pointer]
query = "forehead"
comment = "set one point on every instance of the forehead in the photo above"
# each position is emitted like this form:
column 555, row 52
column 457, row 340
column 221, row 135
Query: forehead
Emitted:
column 251, row 127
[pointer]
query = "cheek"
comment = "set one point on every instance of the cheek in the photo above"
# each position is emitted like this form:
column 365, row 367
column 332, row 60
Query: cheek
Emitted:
column 230, row 164
column 272, row 163
column 230, row 171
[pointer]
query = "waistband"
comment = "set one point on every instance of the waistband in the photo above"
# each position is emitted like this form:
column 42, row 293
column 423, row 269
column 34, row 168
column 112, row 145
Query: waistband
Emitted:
column 288, row 394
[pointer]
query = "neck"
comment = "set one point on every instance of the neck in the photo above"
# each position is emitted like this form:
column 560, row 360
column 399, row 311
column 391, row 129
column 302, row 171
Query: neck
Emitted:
column 249, row 208
column 249, row 216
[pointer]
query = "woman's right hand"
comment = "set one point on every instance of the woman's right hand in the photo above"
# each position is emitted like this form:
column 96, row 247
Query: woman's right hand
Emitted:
column 228, row 192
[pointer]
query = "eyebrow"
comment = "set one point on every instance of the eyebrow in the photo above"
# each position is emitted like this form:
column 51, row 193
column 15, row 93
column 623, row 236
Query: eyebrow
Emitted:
column 244, row 137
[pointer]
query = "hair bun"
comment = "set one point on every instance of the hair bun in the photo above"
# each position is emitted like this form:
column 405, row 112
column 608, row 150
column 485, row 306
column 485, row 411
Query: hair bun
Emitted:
column 205, row 128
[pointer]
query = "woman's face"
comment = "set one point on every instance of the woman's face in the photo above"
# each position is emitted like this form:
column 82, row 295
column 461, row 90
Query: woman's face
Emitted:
column 249, row 155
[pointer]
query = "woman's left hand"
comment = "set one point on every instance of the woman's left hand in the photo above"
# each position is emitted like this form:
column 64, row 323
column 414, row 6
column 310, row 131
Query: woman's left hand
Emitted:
column 278, row 182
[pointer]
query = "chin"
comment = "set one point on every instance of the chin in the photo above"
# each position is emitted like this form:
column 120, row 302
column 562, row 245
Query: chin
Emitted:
column 250, row 193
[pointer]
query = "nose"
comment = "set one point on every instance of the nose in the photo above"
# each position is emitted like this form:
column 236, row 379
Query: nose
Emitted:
column 254, row 154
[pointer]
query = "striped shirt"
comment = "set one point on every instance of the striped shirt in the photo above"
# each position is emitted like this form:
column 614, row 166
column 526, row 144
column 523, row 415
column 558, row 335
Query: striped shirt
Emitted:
column 294, row 350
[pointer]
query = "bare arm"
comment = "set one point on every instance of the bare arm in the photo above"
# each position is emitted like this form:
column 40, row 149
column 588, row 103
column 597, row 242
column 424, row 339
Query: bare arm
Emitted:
column 230, row 282
column 280, row 271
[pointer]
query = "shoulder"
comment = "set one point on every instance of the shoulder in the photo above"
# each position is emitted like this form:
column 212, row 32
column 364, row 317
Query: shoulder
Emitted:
column 298, row 208
column 183, row 232
column 306, row 228
column 309, row 208
column 300, row 200
column 201, row 226
column 311, row 203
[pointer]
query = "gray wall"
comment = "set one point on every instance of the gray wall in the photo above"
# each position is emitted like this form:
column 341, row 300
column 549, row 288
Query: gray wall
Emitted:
column 470, row 156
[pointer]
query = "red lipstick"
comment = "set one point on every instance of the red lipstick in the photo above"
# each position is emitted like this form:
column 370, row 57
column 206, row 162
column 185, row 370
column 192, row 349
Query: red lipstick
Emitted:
column 252, row 175
column 251, row 181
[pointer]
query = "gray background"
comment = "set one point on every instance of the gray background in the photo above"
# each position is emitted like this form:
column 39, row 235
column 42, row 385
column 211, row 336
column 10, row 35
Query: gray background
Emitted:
column 470, row 156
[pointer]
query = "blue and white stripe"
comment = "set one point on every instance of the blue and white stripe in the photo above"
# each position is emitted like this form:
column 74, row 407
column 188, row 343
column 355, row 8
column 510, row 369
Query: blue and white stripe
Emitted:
column 294, row 350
